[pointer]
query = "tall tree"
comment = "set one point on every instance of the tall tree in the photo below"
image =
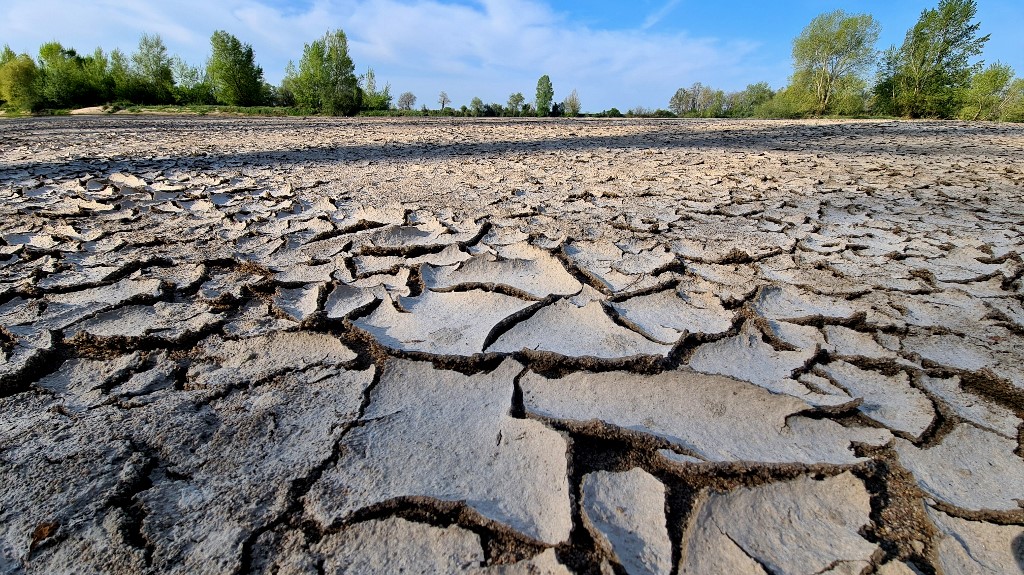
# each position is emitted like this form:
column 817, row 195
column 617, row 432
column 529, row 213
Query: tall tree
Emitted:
column 476, row 106
column 373, row 98
column 545, row 94
column 515, row 103
column 325, row 81
column 406, row 101
column 151, row 64
column 832, row 53
column 571, row 104
column 987, row 94
column 18, row 85
column 927, row 73
column 236, row 79
column 443, row 99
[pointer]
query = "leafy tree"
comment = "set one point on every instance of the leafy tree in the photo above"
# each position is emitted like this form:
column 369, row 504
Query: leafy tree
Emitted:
column 698, row 101
column 152, row 67
column 236, row 79
column 545, row 94
column 515, row 103
column 1012, row 109
column 793, row 101
column 476, row 107
column 191, row 84
column 406, row 101
column 325, row 81
column 571, row 104
column 18, row 81
column 62, row 80
column 443, row 99
column 987, row 94
column 927, row 73
column 743, row 104
column 6, row 55
column 374, row 99
column 832, row 52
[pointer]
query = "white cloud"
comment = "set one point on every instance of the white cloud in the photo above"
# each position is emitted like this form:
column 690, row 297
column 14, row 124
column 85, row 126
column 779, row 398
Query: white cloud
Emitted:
column 659, row 14
column 490, row 48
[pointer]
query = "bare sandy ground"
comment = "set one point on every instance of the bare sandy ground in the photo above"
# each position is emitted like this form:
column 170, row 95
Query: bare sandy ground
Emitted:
column 311, row 345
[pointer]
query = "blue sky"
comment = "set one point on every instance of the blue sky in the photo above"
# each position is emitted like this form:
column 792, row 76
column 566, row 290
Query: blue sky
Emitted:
column 614, row 53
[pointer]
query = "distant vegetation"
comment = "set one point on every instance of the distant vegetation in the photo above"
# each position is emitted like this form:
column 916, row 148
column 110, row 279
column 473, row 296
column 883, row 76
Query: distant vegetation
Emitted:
column 837, row 71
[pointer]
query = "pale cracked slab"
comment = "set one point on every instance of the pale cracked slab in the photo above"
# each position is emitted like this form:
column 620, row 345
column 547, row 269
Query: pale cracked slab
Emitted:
column 245, row 361
column 715, row 418
column 794, row 527
column 532, row 271
column 163, row 320
column 572, row 331
column 972, row 469
column 394, row 545
column 448, row 436
column 789, row 304
column 666, row 316
column 252, row 446
column 891, row 401
column 627, row 511
column 971, row 407
column 450, row 323
column 978, row 547
column 746, row 357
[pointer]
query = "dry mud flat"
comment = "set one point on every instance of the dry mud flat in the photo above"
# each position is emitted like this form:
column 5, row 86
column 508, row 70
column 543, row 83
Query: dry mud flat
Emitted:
column 319, row 346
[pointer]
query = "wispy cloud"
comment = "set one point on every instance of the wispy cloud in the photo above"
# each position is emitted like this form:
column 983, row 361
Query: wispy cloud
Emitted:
column 488, row 49
column 659, row 14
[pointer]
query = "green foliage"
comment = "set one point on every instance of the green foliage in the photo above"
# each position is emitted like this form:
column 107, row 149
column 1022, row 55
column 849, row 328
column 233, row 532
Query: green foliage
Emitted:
column 545, row 94
column 925, row 76
column 515, row 103
column 743, row 104
column 325, row 81
column 699, row 101
column 232, row 69
column 832, row 53
column 374, row 99
column 406, row 101
column 18, row 81
column 571, row 104
column 793, row 101
column 191, row 84
column 1012, row 109
column 985, row 97
column 151, row 66
column 476, row 107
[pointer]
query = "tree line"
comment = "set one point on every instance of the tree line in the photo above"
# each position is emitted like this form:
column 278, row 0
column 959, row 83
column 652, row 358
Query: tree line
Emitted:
column 932, row 74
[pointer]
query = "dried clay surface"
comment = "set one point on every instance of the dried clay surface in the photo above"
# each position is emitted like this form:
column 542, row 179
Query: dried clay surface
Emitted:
column 510, row 346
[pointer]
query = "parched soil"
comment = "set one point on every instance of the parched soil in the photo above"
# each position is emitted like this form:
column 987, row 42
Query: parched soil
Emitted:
column 308, row 345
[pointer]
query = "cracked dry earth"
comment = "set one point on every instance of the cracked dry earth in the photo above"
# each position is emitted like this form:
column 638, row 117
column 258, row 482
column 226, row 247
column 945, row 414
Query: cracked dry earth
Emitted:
column 375, row 346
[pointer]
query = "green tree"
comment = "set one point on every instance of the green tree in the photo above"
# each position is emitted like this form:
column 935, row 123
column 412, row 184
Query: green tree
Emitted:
column 987, row 94
column 18, row 81
column 1012, row 109
column 374, row 99
column 926, row 75
column 476, row 106
column 151, row 66
column 406, row 101
column 236, row 79
column 325, row 81
column 545, row 94
column 571, row 104
column 743, row 104
column 515, row 103
column 191, row 84
column 62, row 79
column 832, row 53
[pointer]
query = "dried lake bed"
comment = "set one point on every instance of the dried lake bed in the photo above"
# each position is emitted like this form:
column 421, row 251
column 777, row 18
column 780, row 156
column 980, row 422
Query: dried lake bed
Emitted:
column 309, row 345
